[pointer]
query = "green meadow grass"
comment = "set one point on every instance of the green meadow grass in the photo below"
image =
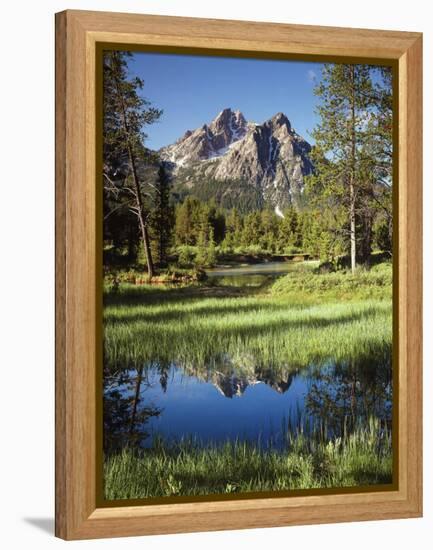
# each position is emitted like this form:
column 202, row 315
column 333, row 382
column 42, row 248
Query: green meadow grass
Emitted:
column 362, row 458
column 302, row 319
column 341, row 285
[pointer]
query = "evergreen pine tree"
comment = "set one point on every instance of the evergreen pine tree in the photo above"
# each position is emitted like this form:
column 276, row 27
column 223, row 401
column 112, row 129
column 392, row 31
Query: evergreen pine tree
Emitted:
column 211, row 250
column 346, row 93
column 126, row 113
column 162, row 218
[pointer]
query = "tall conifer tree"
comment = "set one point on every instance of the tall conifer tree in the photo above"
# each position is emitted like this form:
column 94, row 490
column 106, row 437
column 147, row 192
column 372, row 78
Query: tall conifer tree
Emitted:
column 126, row 113
column 346, row 93
column 162, row 217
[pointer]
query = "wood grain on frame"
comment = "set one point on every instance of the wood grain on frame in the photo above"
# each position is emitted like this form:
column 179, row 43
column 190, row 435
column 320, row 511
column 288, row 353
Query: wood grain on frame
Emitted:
column 77, row 33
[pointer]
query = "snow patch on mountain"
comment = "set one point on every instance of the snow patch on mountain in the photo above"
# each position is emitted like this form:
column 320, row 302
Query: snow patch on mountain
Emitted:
column 278, row 212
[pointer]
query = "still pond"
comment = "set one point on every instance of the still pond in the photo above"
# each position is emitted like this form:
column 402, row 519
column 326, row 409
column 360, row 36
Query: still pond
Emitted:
column 262, row 406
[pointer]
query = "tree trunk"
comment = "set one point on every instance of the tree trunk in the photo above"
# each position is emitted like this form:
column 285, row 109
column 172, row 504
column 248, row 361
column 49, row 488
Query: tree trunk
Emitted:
column 352, row 228
column 365, row 239
column 137, row 190
column 136, row 399
column 147, row 249
column 140, row 214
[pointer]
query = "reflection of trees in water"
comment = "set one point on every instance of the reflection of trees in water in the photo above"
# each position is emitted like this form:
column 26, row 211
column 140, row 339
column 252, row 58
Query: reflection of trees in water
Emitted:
column 340, row 397
column 344, row 395
column 126, row 412
column 124, row 415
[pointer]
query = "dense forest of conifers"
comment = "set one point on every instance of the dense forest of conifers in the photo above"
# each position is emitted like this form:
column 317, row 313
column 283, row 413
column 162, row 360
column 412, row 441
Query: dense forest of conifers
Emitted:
column 347, row 208
column 194, row 233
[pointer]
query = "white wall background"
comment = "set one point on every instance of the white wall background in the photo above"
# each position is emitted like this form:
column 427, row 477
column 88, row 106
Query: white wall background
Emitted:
column 27, row 270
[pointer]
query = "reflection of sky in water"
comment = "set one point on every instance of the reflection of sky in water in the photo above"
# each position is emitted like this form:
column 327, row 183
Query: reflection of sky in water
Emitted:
column 197, row 408
column 267, row 268
column 252, row 407
column 251, row 275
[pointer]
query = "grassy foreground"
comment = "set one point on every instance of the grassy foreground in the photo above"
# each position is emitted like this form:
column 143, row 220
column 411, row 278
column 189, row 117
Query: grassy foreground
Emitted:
column 363, row 458
column 304, row 318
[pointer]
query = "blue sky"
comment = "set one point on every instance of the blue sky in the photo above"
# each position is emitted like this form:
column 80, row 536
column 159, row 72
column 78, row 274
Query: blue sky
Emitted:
column 192, row 90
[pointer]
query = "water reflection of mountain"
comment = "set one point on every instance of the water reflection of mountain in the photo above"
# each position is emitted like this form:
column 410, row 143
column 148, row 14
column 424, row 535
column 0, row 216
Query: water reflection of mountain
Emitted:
column 233, row 385
column 231, row 376
column 336, row 397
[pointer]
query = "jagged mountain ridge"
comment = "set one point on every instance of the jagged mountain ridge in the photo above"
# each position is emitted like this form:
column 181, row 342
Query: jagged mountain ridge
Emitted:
column 232, row 157
column 208, row 141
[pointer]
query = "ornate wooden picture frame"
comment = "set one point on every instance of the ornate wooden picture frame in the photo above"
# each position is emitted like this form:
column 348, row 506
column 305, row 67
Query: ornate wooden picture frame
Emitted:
column 80, row 39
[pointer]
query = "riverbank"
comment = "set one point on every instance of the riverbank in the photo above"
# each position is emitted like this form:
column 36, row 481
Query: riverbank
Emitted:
column 266, row 264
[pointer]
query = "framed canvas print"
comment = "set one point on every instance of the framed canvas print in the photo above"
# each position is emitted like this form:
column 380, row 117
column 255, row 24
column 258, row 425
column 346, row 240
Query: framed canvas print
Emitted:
column 238, row 274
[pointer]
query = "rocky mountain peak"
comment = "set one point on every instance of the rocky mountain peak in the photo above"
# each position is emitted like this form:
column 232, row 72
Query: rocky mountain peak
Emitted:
column 185, row 136
column 228, row 126
column 280, row 119
column 209, row 141
column 267, row 160
column 222, row 119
